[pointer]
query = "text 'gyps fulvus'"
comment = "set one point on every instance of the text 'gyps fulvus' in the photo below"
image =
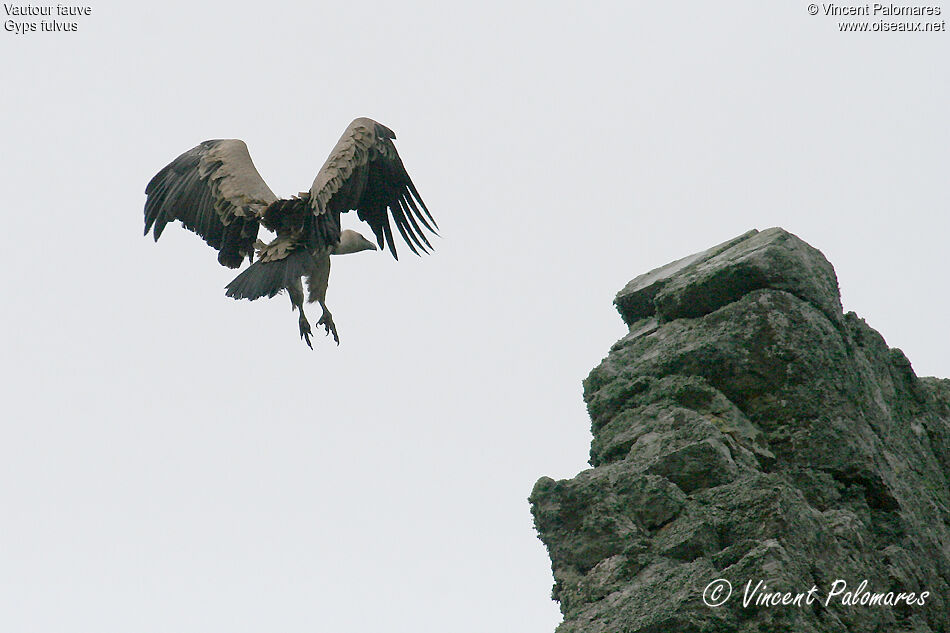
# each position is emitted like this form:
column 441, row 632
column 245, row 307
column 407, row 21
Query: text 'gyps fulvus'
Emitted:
column 215, row 191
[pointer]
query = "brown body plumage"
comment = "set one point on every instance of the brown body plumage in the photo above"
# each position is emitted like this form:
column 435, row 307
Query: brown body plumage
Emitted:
column 215, row 191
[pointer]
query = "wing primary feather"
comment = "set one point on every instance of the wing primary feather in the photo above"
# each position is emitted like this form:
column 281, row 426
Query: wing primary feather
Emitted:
column 166, row 213
column 154, row 203
column 411, row 227
column 415, row 194
column 388, row 233
column 419, row 232
column 401, row 226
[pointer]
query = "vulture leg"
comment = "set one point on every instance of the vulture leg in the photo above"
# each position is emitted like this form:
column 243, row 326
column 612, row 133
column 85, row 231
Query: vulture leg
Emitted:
column 327, row 321
column 317, row 286
column 296, row 299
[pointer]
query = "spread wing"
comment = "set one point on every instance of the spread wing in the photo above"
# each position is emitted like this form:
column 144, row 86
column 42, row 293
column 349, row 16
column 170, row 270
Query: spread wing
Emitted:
column 364, row 172
column 215, row 191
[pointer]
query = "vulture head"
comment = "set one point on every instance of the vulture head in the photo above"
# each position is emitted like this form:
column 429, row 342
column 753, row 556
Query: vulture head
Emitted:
column 352, row 242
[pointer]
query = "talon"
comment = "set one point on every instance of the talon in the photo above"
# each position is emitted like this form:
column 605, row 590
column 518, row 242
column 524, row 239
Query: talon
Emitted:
column 305, row 332
column 327, row 321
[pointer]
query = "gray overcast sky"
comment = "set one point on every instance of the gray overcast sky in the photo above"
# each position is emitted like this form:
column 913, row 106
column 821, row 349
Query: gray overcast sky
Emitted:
column 175, row 461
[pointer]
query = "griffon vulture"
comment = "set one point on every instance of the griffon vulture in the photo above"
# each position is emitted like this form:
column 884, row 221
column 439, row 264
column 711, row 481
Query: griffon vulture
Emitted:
column 215, row 191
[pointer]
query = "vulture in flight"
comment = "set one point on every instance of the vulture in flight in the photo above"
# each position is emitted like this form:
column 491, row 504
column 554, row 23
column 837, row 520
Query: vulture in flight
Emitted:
column 215, row 191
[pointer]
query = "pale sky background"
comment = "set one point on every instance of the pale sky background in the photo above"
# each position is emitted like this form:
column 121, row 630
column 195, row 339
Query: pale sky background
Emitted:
column 174, row 461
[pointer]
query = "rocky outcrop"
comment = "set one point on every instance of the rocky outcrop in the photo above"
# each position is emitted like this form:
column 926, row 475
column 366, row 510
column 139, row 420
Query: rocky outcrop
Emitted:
column 747, row 430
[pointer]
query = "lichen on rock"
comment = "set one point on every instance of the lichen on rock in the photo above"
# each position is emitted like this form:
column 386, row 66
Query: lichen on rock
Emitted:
column 747, row 429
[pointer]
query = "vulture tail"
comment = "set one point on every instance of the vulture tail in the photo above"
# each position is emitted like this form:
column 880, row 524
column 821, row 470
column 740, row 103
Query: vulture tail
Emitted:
column 266, row 279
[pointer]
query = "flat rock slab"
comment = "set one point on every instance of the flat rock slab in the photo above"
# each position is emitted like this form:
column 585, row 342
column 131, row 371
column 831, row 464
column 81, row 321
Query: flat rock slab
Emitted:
column 704, row 282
